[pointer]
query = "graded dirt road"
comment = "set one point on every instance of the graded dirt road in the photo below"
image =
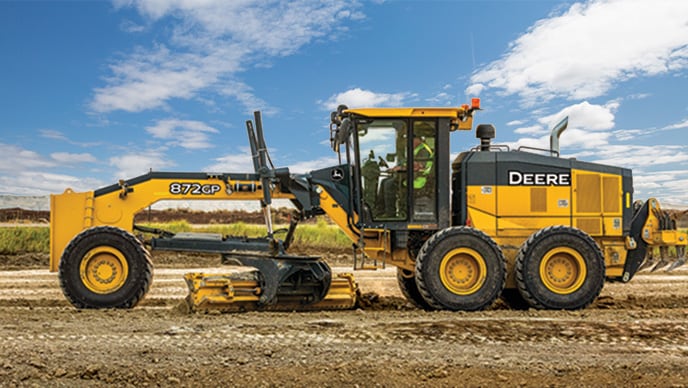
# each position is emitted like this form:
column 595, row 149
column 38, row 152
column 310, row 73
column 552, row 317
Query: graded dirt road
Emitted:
column 635, row 335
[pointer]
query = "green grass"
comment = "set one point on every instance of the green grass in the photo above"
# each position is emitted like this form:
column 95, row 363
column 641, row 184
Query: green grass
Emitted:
column 320, row 235
column 24, row 239
column 36, row 239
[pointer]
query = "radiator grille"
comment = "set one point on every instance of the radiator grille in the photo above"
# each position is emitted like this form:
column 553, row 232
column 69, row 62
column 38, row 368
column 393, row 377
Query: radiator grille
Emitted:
column 588, row 193
column 538, row 199
column 612, row 194
column 592, row 226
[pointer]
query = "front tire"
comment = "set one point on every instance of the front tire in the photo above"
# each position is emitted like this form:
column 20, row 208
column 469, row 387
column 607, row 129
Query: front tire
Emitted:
column 409, row 288
column 105, row 267
column 560, row 267
column 460, row 268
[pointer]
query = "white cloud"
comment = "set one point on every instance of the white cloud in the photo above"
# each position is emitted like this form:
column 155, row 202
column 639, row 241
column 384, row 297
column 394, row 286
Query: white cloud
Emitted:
column 210, row 42
column 541, row 143
column 584, row 51
column 42, row 183
column 244, row 94
column 574, row 138
column 589, row 127
column 53, row 134
column 240, row 161
column 26, row 172
column 135, row 164
column 475, row 89
column 72, row 158
column 441, row 99
column 310, row 165
column 358, row 98
column 667, row 186
column 531, row 130
column 638, row 96
column 19, row 159
column 632, row 156
column 585, row 116
column 148, row 78
column 59, row 136
column 571, row 139
column 184, row 133
column 628, row 134
column 131, row 27
column 682, row 124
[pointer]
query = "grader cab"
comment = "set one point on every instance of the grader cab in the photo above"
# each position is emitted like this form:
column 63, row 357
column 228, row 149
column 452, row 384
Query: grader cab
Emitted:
column 492, row 222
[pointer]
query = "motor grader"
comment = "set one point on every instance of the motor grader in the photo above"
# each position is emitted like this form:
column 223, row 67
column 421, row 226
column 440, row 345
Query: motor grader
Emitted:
column 525, row 224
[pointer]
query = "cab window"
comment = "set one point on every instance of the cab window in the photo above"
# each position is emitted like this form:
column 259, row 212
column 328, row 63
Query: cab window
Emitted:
column 424, row 171
column 383, row 158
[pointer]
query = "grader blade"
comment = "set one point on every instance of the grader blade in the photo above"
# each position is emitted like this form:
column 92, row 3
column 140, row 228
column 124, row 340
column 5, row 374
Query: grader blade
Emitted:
column 232, row 293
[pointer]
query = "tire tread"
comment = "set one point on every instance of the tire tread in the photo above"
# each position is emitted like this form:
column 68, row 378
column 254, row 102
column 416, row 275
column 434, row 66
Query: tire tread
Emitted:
column 520, row 269
column 66, row 264
column 433, row 241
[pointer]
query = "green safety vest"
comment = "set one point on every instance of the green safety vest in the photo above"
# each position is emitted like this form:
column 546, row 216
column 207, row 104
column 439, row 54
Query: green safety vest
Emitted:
column 422, row 177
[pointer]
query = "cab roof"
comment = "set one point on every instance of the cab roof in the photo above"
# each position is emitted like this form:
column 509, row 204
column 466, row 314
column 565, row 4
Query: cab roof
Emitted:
column 453, row 112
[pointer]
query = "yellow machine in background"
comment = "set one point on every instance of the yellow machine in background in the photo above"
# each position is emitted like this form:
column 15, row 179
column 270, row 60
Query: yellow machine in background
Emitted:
column 522, row 224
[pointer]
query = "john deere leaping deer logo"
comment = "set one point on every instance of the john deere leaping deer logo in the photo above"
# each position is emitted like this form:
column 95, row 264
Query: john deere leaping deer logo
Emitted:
column 337, row 174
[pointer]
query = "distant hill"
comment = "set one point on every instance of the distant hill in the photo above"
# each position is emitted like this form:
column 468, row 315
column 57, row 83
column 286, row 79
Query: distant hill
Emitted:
column 30, row 202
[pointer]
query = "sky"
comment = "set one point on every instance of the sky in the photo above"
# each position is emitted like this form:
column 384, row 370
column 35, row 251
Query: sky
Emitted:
column 96, row 91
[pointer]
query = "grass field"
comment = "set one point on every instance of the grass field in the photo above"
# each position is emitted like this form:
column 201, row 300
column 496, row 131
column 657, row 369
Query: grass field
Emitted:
column 24, row 239
column 36, row 239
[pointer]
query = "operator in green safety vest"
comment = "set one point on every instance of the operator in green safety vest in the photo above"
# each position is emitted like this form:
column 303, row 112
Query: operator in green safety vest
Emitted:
column 422, row 162
column 422, row 167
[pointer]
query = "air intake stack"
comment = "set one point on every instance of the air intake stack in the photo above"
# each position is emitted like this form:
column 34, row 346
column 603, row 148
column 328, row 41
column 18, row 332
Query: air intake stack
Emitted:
column 485, row 132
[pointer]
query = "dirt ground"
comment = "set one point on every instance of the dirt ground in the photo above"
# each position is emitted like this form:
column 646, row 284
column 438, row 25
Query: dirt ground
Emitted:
column 636, row 334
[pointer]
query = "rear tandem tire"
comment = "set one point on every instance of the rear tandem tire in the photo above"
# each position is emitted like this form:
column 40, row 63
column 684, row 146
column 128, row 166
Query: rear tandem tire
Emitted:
column 560, row 267
column 513, row 299
column 409, row 288
column 105, row 267
column 460, row 268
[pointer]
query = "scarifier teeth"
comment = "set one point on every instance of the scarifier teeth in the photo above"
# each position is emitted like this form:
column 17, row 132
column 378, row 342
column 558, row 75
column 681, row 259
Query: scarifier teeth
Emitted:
column 662, row 263
column 665, row 259
column 677, row 263
column 649, row 261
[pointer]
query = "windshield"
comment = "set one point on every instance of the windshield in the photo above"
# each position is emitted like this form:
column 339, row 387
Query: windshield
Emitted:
column 389, row 160
column 383, row 145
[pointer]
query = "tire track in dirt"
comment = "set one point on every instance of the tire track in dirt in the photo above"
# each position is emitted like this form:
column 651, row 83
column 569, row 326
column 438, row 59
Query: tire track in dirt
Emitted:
column 41, row 288
column 635, row 335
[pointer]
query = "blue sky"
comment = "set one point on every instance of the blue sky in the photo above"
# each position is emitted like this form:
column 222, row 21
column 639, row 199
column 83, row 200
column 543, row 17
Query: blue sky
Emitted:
column 95, row 91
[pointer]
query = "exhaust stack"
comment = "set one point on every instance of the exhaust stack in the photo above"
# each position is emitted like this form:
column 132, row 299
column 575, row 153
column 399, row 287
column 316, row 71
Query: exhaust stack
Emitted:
column 556, row 132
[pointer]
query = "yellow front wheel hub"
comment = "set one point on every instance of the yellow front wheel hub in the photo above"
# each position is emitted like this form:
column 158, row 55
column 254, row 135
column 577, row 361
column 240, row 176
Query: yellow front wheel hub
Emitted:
column 463, row 271
column 563, row 270
column 104, row 270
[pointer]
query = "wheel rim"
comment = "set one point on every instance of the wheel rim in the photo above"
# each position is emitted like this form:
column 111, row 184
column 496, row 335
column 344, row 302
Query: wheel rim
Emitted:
column 563, row 270
column 104, row 270
column 463, row 271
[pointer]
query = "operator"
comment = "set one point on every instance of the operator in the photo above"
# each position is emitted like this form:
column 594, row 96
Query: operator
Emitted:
column 422, row 162
column 422, row 165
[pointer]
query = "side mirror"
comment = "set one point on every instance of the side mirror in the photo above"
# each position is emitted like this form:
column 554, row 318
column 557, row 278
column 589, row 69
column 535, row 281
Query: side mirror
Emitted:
column 344, row 131
column 391, row 157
